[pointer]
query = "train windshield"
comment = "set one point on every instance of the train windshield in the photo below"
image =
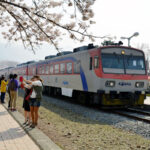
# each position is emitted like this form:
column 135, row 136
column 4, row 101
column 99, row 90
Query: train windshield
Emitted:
column 123, row 64
column 112, row 63
column 134, row 64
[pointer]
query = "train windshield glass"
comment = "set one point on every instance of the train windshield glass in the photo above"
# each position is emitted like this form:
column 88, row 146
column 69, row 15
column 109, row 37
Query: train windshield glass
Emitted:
column 134, row 64
column 124, row 64
column 112, row 63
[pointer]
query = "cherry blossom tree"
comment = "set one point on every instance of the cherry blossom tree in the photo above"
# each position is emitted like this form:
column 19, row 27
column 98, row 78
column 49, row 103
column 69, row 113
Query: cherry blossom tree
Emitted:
column 37, row 21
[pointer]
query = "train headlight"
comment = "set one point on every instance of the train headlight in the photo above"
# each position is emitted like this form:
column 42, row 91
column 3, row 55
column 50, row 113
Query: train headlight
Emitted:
column 110, row 83
column 139, row 84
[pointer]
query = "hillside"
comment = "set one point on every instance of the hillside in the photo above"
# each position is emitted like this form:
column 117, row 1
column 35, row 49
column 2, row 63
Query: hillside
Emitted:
column 5, row 64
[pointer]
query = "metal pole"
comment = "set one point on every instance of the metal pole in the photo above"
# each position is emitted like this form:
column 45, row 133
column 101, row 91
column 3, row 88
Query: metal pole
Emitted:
column 129, row 41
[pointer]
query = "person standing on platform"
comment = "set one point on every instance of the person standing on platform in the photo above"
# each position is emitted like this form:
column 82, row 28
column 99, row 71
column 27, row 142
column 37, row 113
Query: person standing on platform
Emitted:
column 3, row 88
column 35, row 98
column 26, row 106
column 8, row 90
column 13, row 92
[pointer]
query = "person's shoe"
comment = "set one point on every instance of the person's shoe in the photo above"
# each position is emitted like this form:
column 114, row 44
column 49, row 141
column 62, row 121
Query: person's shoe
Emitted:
column 28, row 124
column 32, row 126
column 25, row 122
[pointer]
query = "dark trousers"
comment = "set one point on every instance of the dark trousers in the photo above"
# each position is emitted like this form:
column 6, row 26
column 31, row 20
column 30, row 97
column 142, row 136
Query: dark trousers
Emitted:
column 9, row 99
column 2, row 97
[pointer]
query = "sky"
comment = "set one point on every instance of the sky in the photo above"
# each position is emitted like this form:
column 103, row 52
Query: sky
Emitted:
column 116, row 18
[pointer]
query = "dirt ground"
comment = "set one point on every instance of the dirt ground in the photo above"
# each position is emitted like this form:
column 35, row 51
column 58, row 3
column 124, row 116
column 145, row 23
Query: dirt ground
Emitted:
column 73, row 132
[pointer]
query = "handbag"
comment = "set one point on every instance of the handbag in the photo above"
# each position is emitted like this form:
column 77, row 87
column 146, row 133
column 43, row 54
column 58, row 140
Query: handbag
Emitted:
column 28, row 96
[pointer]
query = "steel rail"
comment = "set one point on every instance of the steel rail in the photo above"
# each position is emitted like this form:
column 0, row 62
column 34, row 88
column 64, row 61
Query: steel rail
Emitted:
column 131, row 116
column 138, row 111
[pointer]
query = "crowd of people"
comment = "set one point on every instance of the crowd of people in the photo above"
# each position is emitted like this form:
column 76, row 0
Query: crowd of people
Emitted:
column 32, row 98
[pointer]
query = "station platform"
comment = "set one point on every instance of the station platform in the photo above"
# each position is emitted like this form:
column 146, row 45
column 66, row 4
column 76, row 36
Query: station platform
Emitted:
column 14, row 136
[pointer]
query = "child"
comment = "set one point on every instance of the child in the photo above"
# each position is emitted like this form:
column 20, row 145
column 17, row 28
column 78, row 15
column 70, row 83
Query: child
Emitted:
column 26, row 106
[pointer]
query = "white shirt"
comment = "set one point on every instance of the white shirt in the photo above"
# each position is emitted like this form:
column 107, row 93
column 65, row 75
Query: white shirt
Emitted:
column 34, row 83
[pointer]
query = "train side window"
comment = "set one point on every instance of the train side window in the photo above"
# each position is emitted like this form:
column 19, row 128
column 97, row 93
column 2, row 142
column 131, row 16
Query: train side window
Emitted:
column 69, row 68
column 29, row 71
column 77, row 67
column 91, row 60
column 51, row 69
column 32, row 71
column 57, row 68
column 43, row 69
column 39, row 70
column 96, row 62
column 47, row 69
column 62, row 68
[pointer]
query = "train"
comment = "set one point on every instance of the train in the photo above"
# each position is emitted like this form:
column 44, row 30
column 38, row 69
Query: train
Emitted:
column 109, row 75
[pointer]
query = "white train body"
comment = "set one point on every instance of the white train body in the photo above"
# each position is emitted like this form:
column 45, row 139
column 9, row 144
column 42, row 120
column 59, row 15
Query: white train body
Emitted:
column 111, row 75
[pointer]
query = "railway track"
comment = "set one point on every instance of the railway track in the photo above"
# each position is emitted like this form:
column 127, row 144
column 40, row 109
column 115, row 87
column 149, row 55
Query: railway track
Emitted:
column 133, row 113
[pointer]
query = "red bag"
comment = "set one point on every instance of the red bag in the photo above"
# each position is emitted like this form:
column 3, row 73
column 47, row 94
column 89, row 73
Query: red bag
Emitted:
column 28, row 96
column 21, row 79
column 21, row 85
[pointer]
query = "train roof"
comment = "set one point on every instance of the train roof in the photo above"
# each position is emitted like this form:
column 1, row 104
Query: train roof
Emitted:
column 78, row 49
column 64, row 53
column 26, row 63
column 114, row 46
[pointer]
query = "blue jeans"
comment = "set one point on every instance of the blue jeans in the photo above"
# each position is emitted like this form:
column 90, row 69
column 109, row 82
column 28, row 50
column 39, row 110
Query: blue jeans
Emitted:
column 2, row 97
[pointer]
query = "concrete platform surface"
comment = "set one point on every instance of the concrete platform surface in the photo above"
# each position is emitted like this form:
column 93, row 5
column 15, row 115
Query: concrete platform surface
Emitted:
column 42, row 140
column 12, row 136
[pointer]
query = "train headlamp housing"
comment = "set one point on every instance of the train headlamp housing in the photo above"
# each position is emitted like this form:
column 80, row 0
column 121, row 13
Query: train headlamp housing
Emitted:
column 122, row 52
column 110, row 83
column 139, row 84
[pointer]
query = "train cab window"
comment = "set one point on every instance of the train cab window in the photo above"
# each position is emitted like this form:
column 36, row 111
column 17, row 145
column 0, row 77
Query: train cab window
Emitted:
column 69, row 68
column 56, row 68
column 96, row 62
column 51, row 69
column 47, row 69
column 62, row 68
column 91, row 60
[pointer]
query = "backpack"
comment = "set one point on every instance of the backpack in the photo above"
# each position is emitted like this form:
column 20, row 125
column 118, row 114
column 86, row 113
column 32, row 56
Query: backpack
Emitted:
column 12, row 85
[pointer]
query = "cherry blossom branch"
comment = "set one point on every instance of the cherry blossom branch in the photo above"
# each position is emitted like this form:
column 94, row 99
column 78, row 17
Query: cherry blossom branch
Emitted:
column 42, row 30
column 52, row 21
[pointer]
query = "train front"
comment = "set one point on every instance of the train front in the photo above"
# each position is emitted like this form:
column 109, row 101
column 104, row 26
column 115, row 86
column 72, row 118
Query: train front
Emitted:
column 124, row 76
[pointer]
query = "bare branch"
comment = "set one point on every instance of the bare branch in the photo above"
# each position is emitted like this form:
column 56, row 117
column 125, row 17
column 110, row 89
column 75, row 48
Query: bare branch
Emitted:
column 40, row 22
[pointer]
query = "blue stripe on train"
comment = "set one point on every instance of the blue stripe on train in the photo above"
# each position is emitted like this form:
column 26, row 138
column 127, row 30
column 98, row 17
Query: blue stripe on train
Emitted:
column 83, row 78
